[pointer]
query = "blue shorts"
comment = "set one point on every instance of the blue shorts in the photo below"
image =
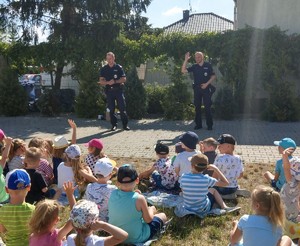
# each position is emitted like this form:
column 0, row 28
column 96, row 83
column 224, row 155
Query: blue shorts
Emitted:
column 273, row 184
column 211, row 199
column 155, row 226
column 226, row 190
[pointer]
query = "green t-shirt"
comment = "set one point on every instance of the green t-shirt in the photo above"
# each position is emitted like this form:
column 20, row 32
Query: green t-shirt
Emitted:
column 15, row 219
column 3, row 194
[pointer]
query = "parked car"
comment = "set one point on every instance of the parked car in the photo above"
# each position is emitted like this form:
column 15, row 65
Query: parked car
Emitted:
column 33, row 88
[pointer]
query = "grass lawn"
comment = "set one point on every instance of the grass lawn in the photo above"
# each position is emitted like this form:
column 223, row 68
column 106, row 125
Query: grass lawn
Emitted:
column 191, row 230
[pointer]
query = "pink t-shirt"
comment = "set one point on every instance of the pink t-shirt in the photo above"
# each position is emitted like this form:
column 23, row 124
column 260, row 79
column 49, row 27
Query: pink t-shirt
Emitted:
column 46, row 239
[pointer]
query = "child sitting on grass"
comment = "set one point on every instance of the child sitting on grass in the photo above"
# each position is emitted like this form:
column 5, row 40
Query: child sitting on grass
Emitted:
column 4, row 198
column 189, row 141
column 162, row 171
column 199, row 197
column 230, row 165
column 208, row 147
column 43, row 225
column 278, row 180
column 290, row 192
column 84, row 217
column 16, row 154
column 128, row 209
column 44, row 167
column 60, row 144
column 100, row 191
column 95, row 147
column 38, row 184
column 264, row 227
column 14, row 216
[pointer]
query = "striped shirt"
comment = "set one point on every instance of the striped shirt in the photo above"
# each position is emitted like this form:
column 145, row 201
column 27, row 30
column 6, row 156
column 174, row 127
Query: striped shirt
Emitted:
column 46, row 170
column 195, row 189
column 15, row 219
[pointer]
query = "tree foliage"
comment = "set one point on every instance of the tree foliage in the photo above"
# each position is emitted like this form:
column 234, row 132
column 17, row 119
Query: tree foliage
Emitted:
column 78, row 29
column 135, row 93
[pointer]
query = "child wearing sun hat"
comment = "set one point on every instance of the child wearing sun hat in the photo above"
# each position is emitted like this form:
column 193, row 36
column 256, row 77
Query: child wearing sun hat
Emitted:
column 60, row 144
column 99, row 192
column 84, row 217
column 95, row 152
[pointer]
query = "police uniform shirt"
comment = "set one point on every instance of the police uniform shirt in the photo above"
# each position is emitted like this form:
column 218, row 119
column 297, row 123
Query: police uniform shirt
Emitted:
column 201, row 73
column 115, row 72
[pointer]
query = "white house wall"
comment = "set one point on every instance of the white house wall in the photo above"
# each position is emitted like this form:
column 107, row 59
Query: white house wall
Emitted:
column 267, row 13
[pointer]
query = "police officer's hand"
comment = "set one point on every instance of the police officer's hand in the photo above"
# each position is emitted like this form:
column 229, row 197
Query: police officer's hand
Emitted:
column 187, row 56
column 110, row 82
column 203, row 86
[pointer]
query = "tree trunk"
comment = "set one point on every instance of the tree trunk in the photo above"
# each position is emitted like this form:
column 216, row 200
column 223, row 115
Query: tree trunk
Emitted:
column 58, row 75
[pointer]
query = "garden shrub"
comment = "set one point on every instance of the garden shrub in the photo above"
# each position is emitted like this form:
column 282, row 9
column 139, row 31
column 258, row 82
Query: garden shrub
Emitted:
column 283, row 104
column 90, row 101
column 177, row 99
column 224, row 105
column 155, row 94
column 13, row 97
column 135, row 93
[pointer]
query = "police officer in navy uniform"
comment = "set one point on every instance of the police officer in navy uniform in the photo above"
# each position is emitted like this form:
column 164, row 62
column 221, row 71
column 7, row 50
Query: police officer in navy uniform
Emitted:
column 113, row 77
column 203, row 90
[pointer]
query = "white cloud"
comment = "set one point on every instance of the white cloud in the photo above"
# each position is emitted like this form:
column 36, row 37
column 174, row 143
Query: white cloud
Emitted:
column 173, row 11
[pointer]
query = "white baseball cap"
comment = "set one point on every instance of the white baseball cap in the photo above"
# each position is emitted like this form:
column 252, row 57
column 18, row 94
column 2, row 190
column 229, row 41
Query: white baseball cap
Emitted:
column 104, row 166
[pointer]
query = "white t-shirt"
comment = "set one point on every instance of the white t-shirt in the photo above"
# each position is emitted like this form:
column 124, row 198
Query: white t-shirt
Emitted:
column 64, row 174
column 92, row 240
column 231, row 166
column 181, row 161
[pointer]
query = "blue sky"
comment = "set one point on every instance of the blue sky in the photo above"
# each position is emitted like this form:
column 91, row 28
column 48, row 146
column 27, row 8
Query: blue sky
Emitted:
column 162, row 13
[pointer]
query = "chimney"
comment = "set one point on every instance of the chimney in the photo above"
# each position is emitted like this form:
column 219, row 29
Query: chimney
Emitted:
column 186, row 15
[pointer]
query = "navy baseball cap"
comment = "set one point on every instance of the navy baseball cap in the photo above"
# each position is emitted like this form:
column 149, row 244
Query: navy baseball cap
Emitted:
column 161, row 148
column 127, row 171
column 226, row 138
column 17, row 179
column 286, row 143
column 189, row 139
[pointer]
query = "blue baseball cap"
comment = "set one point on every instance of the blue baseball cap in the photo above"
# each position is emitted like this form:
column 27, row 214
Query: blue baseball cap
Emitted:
column 189, row 139
column 17, row 179
column 286, row 143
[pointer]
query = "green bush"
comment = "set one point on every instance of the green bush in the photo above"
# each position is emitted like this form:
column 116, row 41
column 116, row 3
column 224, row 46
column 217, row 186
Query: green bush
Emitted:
column 177, row 100
column 90, row 101
column 54, row 102
column 13, row 97
column 224, row 105
column 283, row 104
column 155, row 94
column 135, row 93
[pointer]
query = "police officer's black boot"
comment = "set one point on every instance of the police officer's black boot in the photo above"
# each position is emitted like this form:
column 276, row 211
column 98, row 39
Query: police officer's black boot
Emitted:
column 126, row 128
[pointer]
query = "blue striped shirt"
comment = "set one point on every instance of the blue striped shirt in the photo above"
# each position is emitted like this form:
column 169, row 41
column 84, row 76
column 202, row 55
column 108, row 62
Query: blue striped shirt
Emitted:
column 195, row 189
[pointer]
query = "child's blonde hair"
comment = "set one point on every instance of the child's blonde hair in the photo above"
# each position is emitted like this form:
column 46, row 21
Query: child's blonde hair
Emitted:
column 270, row 204
column 45, row 213
column 33, row 154
column 77, row 165
column 59, row 153
column 15, row 145
column 36, row 142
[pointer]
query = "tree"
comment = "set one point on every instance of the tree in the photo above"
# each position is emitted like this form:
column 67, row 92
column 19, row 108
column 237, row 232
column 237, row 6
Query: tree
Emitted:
column 78, row 29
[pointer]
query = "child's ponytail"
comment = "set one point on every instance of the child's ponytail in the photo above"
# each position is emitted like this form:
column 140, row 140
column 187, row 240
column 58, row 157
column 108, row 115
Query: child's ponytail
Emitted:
column 80, row 237
column 269, row 204
column 276, row 212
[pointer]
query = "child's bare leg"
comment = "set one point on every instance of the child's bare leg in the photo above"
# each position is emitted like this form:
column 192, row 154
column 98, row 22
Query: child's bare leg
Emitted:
column 218, row 198
column 162, row 216
column 285, row 241
column 268, row 176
